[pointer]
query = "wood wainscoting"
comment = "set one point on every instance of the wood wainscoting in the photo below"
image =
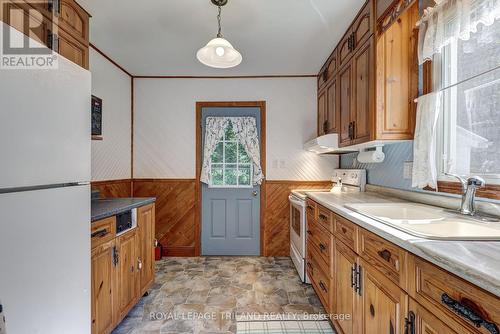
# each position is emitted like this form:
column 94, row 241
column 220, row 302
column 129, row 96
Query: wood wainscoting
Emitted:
column 176, row 208
column 277, row 212
column 113, row 188
column 175, row 213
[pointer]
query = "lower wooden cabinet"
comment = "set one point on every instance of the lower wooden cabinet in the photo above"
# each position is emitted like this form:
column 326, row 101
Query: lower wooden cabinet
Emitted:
column 421, row 321
column 122, row 268
column 146, row 235
column 381, row 288
column 126, row 245
column 103, row 287
column 347, row 298
column 384, row 304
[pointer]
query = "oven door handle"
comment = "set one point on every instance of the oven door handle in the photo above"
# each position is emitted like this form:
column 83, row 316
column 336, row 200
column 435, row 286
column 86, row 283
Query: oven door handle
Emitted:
column 296, row 202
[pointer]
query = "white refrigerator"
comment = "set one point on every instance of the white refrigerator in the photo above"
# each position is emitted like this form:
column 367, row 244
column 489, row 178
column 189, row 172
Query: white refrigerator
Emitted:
column 45, row 199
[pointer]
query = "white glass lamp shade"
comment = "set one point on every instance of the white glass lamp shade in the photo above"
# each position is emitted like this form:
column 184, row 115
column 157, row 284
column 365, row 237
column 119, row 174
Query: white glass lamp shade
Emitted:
column 219, row 53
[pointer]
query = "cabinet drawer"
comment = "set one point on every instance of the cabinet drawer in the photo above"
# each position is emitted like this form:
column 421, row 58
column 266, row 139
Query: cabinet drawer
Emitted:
column 449, row 297
column 384, row 256
column 347, row 232
column 321, row 282
column 325, row 218
column 323, row 243
column 102, row 231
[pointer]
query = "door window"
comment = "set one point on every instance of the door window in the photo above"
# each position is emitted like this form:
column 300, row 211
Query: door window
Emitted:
column 231, row 166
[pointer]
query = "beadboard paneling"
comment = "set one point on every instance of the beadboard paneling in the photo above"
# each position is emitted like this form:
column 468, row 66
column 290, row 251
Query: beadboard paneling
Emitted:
column 175, row 212
column 113, row 188
column 164, row 125
column 276, row 228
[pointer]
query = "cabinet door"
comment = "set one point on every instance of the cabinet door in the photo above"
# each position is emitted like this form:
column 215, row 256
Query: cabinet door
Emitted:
column 127, row 272
column 344, row 82
column 347, row 300
column 344, row 49
column 397, row 78
column 322, row 107
column 362, row 28
column 363, row 88
column 331, row 110
column 384, row 304
column 74, row 19
column 103, row 287
column 25, row 19
column 424, row 322
column 145, row 222
column 72, row 49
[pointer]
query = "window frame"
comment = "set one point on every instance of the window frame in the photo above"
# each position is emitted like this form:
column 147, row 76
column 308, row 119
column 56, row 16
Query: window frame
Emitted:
column 436, row 74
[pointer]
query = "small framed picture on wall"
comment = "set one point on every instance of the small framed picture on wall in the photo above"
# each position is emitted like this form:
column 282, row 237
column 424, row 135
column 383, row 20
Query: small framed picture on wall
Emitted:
column 96, row 111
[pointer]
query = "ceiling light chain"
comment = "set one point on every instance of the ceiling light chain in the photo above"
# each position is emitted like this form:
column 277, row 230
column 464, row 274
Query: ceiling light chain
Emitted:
column 219, row 33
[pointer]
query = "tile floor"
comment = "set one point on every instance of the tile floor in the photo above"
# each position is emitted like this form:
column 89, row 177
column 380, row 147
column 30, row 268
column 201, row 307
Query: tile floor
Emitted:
column 205, row 295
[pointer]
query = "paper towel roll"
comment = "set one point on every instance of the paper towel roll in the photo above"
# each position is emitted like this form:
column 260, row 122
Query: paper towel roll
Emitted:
column 367, row 157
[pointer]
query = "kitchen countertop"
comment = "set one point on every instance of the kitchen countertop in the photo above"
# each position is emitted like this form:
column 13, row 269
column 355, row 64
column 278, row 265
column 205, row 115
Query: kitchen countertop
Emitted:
column 477, row 262
column 104, row 208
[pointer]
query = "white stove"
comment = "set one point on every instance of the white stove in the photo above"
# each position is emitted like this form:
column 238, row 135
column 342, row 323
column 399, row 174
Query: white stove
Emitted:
column 346, row 180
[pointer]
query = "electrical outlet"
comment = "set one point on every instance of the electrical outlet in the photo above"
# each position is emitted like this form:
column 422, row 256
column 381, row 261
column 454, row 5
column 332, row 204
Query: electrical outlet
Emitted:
column 408, row 170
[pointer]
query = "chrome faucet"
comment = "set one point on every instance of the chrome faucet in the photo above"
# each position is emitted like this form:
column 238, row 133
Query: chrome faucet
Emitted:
column 469, row 188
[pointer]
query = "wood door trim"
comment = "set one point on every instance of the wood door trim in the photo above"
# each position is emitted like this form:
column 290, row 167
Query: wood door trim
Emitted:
column 199, row 108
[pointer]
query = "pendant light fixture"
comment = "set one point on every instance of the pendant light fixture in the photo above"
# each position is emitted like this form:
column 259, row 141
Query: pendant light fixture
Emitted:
column 219, row 53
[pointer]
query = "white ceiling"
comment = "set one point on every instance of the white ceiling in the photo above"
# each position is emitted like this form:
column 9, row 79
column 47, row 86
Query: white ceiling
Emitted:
column 275, row 37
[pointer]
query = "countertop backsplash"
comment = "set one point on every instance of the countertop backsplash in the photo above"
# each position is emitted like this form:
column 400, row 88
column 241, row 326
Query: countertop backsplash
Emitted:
column 390, row 173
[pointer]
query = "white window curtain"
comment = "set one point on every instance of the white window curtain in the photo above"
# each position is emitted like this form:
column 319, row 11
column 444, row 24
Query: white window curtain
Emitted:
column 450, row 20
column 424, row 145
column 245, row 129
column 214, row 131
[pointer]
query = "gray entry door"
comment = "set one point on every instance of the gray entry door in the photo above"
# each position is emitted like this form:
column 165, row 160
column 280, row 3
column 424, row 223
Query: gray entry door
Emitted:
column 231, row 206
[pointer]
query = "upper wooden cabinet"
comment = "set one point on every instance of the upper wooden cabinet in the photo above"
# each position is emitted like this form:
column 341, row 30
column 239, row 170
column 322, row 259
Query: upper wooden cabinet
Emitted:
column 357, row 34
column 74, row 19
column 376, row 77
column 61, row 25
column 397, row 77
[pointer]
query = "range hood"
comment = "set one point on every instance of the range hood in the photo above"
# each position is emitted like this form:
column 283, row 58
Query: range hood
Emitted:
column 324, row 144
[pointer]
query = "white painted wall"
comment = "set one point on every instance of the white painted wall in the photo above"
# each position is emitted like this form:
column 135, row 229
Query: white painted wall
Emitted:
column 164, row 125
column 111, row 156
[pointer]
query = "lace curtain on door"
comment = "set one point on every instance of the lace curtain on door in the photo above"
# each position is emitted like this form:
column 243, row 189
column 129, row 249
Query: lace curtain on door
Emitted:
column 245, row 129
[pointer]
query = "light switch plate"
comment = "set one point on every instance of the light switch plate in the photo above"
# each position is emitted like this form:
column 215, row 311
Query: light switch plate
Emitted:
column 408, row 170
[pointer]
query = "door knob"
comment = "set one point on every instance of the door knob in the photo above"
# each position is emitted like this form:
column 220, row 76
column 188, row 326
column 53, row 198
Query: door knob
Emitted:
column 255, row 193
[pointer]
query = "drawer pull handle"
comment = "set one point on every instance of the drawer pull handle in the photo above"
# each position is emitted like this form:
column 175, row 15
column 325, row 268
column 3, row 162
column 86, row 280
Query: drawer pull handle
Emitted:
column 385, row 254
column 469, row 314
column 322, row 248
column 322, row 286
column 372, row 310
column 344, row 230
column 310, row 208
column 309, row 232
column 100, row 233
column 323, row 217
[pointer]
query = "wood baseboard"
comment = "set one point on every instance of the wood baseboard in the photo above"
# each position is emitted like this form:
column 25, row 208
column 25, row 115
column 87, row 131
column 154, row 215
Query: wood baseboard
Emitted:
column 179, row 251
